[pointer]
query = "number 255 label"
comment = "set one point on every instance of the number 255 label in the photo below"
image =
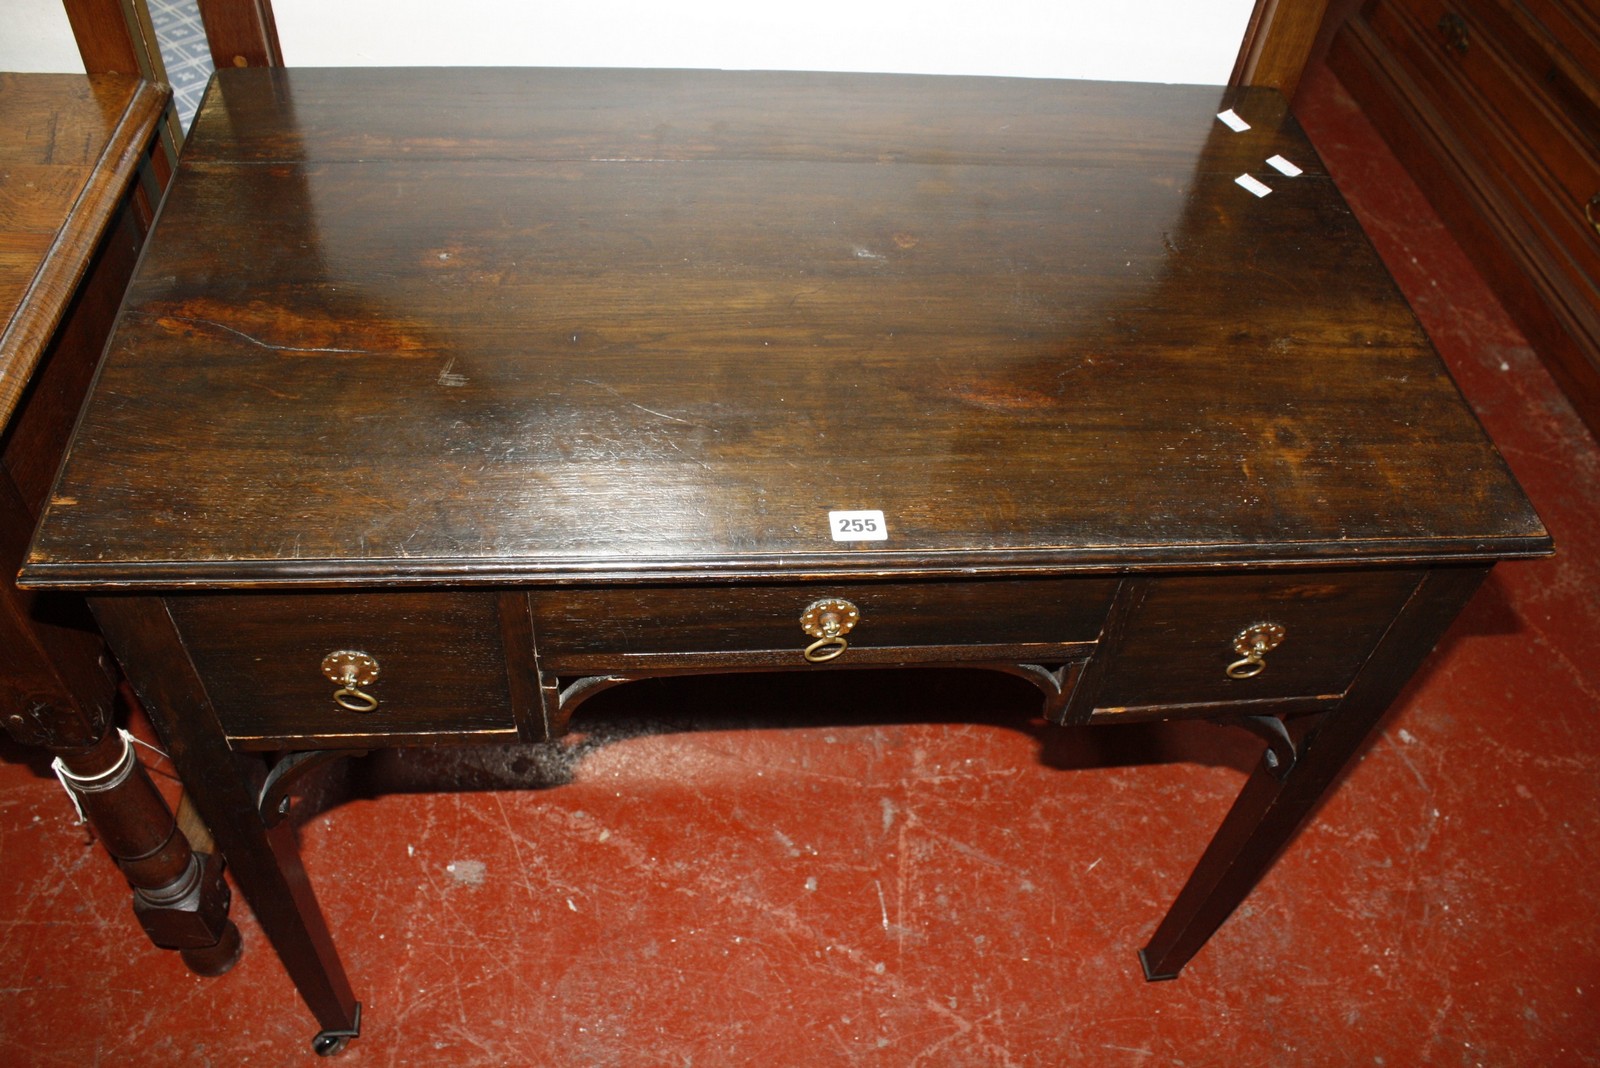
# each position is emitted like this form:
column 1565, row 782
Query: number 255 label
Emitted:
column 858, row 526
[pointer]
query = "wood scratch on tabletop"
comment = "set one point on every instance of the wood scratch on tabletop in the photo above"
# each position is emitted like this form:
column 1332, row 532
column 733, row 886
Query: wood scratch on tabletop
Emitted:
column 650, row 411
column 679, row 449
column 284, row 330
column 268, row 345
column 448, row 377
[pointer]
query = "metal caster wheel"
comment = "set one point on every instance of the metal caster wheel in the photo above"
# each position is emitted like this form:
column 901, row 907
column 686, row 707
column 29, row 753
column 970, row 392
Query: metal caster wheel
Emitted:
column 329, row 1043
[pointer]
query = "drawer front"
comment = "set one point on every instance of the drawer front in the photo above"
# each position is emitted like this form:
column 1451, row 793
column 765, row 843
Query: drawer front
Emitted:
column 441, row 663
column 1178, row 643
column 1466, row 59
column 583, row 630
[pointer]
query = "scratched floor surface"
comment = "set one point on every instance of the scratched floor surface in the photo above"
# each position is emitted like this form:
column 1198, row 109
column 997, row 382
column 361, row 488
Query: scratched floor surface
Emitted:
column 914, row 872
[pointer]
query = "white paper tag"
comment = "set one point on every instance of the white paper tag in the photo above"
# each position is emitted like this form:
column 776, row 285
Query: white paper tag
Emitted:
column 1233, row 121
column 1255, row 186
column 1283, row 166
column 858, row 526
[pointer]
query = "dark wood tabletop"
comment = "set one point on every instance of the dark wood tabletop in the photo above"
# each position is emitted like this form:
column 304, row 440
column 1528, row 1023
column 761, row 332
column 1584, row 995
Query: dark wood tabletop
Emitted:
column 436, row 324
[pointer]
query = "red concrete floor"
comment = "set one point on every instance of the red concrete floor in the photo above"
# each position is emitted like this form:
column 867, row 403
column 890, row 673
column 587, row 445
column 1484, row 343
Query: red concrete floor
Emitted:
column 916, row 873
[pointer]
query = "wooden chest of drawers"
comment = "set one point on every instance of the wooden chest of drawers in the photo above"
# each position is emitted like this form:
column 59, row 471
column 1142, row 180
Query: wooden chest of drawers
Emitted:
column 447, row 399
column 1494, row 106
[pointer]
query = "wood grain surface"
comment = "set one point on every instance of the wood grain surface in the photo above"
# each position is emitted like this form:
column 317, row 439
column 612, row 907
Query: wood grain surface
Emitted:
column 494, row 326
column 71, row 144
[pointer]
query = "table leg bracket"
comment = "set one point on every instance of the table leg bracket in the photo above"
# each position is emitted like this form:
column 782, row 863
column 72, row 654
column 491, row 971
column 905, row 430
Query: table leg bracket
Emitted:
column 1281, row 753
column 273, row 801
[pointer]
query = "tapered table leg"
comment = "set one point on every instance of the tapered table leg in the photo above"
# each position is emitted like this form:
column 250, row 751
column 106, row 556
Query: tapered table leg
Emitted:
column 1271, row 809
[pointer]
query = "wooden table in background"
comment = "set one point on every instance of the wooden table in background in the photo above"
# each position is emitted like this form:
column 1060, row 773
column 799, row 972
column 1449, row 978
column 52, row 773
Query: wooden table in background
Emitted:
column 78, row 179
column 444, row 400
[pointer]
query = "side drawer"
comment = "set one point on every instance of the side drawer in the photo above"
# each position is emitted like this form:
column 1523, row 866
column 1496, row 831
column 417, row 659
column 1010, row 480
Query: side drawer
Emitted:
column 441, row 660
column 1178, row 642
column 579, row 630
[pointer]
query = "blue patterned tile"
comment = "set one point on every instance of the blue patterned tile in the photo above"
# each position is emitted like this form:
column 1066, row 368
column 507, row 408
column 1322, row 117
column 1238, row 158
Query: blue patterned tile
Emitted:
column 184, row 52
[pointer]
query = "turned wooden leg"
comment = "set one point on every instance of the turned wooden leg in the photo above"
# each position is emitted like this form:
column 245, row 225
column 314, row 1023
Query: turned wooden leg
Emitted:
column 179, row 895
column 61, row 691
column 1276, row 802
column 225, row 789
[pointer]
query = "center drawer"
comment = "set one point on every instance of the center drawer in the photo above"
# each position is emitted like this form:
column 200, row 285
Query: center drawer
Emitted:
column 582, row 630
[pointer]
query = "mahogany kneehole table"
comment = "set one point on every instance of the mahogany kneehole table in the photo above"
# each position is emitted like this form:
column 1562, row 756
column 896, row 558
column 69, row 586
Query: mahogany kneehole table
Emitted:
column 445, row 399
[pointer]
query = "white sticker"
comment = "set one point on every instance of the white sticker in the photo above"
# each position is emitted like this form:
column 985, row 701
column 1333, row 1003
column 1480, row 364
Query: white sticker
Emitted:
column 1283, row 166
column 858, row 526
column 1260, row 189
column 1233, row 121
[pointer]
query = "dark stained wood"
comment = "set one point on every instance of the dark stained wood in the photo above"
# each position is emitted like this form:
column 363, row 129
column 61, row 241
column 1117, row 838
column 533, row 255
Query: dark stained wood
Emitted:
column 1271, row 809
column 442, row 665
column 521, row 667
column 117, row 37
column 71, row 226
column 618, row 116
column 1278, row 42
column 107, row 41
column 241, row 33
column 679, row 620
column 527, row 384
column 73, row 147
column 223, row 787
column 1180, row 640
column 557, row 334
column 1503, row 135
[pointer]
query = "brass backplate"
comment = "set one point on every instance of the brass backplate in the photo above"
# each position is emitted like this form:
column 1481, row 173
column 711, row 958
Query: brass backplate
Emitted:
column 830, row 617
column 1258, row 638
column 349, row 667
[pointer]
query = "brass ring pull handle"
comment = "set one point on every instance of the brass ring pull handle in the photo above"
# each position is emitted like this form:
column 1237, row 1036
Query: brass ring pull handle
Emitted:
column 353, row 700
column 824, row 649
column 1591, row 211
column 828, row 621
column 1253, row 644
column 351, row 670
column 1248, row 668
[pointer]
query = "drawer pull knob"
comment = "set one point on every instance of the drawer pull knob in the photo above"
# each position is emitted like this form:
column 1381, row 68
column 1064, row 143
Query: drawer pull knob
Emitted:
column 828, row 621
column 1253, row 644
column 351, row 670
column 1591, row 211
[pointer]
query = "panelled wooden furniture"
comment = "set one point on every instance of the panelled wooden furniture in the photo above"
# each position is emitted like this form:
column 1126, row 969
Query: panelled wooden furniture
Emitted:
column 1494, row 106
column 443, row 400
column 76, row 199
